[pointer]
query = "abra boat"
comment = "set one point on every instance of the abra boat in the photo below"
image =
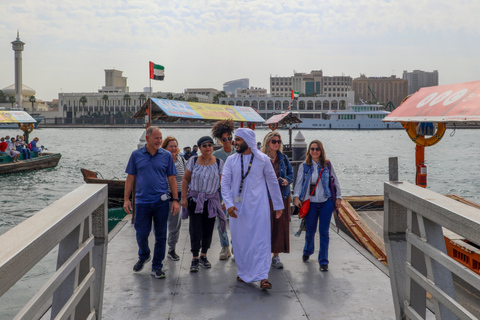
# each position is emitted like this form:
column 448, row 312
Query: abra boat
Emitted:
column 116, row 187
column 356, row 117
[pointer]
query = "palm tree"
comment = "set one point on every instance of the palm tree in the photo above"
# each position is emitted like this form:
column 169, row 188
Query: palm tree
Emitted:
column 32, row 100
column 126, row 99
column 169, row 96
column 83, row 100
column 104, row 98
column 221, row 94
column 12, row 100
column 142, row 99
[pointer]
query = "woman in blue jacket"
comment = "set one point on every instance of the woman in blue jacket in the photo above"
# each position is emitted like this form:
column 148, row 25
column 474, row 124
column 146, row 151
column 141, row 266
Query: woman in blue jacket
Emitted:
column 280, row 230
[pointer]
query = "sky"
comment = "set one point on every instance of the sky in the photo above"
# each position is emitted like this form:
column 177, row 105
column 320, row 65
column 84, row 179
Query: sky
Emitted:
column 203, row 44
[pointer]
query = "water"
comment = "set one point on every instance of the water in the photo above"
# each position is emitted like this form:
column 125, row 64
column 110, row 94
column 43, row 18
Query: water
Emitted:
column 360, row 159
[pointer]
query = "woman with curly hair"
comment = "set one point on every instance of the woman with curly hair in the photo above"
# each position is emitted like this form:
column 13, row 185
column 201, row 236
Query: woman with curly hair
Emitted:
column 223, row 131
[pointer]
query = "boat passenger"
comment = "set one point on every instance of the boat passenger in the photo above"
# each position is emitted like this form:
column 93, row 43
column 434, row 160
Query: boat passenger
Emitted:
column 174, row 221
column 35, row 148
column 280, row 229
column 11, row 150
column 150, row 167
column 317, row 169
column 3, row 145
column 223, row 131
column 22, row 148
column 201, row 201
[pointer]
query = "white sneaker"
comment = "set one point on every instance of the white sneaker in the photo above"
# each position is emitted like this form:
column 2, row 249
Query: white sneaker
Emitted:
column 276, row 262
column 225, row 253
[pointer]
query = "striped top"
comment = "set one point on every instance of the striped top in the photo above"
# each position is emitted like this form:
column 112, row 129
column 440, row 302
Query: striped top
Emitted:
column 204, row 178
column 180, row 164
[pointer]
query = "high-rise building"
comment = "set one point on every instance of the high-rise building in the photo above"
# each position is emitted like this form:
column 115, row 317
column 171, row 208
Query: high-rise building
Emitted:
column 380, row 89
column 231, row 87
column 419, row 79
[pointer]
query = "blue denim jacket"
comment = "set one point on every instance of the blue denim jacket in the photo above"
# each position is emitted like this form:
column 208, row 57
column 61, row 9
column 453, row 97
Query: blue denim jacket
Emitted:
column 308, row 171
column 286, row 172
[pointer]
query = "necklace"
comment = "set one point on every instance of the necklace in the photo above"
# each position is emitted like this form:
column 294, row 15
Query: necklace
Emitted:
column 206, row 162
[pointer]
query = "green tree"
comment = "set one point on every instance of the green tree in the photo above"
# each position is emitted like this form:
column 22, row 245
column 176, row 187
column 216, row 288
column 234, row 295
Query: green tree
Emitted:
column 142, row 98
column 83, row 100
column 3, row 97
column 105, row 99
column 193, row 99
column 12, row 100
column 32, row 100
column 126, row 99
column 221, row 94
column 180, row 98
column 169, row 96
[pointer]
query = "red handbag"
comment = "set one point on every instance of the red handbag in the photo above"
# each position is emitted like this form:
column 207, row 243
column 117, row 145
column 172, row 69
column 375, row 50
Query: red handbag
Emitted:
column 302, row 213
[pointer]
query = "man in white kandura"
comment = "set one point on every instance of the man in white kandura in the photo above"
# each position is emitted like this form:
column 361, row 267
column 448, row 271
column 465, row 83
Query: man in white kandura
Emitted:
column 245, row 178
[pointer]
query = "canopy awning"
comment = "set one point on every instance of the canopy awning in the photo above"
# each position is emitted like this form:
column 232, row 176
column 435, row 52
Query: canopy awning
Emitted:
column 449, row 103
column 173, row 110
column 284, row 118
column 15, row 117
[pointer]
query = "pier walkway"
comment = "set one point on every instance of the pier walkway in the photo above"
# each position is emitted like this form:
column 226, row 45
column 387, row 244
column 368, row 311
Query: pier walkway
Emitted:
column 353, row 288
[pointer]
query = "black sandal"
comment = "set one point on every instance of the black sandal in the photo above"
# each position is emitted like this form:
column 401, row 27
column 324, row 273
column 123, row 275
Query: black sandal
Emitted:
column 264, row 284
column 239, row 279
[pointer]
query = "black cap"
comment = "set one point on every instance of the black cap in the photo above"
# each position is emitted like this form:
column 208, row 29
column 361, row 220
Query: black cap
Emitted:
column 204, row 139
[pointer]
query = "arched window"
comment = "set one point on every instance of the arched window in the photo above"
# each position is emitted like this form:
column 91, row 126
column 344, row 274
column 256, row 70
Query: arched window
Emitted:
column 270, row 105
column 326, row 105
column 343, row 105
column 239, row 103
column 334, row 105
column 262, row 105
column 309, row 105
column 301, row 105
column 278, row 105
column 255, row 104
column 286, row 104
column 246, row 103
column 318, row 105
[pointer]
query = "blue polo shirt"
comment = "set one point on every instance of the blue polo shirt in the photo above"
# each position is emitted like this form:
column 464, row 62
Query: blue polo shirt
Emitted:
column 151, row 173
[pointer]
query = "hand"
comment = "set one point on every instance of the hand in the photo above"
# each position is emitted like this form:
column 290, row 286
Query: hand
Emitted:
column 297, row 202
column 283, row 182
column 278, row 213
column 338, row 203
column 232, row 212
column 127, row 206
column 175, row 207
column 183, row 202
column 223, row 206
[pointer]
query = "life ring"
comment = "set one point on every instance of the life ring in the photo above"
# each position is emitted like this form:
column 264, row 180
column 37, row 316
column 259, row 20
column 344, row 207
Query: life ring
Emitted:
column 273, row 126
column 26, row 127
column 421, row 140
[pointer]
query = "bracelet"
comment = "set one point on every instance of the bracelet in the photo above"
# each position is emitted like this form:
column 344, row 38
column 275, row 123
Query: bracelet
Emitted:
column 178, row 200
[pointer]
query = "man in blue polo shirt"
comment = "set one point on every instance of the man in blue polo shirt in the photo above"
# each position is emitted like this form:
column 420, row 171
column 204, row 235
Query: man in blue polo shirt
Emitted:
column 151, row 166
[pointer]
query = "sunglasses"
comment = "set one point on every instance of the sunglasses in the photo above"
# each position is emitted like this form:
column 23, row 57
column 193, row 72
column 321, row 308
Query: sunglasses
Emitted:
column 314, row 149
column 225, row 139
column 207, row 145
column 275, row 141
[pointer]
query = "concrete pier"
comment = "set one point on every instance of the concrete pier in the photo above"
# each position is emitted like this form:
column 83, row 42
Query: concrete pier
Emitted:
column 353, row 288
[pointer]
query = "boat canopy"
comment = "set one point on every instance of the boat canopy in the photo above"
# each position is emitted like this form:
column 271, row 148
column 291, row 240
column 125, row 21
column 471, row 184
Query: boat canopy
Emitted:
column 11, row 116
column 173, row 110
column 449, row 103
column 284, row 118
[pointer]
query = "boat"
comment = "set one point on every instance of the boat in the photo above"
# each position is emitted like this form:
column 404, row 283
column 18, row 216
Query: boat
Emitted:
column 36, row 116
column 24, row 121
column 356, row 117
column 116, row 187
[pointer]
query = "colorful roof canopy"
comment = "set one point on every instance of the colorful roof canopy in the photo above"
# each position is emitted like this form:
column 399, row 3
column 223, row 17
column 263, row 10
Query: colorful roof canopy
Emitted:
column 173, row 110
column 449, row 103
column 15, row 117
column 284, row 118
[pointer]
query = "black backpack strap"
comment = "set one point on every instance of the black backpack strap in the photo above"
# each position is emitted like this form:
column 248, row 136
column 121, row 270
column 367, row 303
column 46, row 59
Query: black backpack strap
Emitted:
column 195, row 160
column 218, row 164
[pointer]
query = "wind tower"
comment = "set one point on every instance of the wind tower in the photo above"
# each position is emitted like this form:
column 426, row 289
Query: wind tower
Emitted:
column 17, row 46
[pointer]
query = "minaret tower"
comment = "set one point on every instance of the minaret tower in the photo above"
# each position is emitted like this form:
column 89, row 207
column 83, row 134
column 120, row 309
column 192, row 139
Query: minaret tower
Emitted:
column 17, row 46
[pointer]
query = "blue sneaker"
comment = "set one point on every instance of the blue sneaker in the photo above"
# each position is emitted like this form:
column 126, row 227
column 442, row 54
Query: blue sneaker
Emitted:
column 139, row 265
column 158, row 273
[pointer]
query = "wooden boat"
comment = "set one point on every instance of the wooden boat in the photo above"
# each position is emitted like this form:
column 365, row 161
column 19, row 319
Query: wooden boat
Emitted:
column 116, row 188
column 47, row 160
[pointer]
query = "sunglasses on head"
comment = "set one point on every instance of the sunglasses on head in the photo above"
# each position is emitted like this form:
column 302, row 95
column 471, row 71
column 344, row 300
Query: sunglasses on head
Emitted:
column 275, row 141
column 207, row 145
column 314, row 149
column 225, row 139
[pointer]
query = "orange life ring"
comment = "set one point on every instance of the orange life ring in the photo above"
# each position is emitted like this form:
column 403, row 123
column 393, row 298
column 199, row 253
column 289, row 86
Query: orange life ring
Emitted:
column 26, row 127
column 421, row 140
column 273, row 126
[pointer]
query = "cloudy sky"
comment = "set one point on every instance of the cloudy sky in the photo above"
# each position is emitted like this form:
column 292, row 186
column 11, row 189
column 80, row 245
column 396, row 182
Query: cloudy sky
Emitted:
column 203, row 44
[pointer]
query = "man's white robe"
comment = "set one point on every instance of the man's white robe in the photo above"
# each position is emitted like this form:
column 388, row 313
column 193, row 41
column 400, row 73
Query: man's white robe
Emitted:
column 250, row 232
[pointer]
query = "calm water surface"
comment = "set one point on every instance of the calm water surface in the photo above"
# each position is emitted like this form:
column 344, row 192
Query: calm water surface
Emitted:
column 360, row 159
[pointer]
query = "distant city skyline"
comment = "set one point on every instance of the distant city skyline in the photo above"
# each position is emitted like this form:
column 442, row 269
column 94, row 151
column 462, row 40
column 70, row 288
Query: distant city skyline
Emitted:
column 205, row 44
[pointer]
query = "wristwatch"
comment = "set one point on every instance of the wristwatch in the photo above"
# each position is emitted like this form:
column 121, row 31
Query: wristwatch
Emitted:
column 178, row 200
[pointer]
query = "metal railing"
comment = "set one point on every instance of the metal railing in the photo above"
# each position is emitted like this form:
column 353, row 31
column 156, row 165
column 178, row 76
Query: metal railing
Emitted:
column 77, row 223
column 417, row 258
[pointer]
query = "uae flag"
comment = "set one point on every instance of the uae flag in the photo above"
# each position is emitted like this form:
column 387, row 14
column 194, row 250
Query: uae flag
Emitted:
column 295, row 95
column 156, row 71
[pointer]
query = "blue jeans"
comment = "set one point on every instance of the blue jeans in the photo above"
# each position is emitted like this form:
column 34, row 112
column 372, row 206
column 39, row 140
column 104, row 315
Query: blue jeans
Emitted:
column 318, row 211
column 223, row 236
column 144, row 215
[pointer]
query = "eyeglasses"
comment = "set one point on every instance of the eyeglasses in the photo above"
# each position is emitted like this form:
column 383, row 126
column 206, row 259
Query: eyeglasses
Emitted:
column 207, row 145
column 314, row 149
column 275, row 141
column 225, row 139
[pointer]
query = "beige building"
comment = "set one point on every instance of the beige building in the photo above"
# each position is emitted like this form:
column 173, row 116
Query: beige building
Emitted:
column 380, row 89
column 252, row 92
column 313, row 83
column 201, row 93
